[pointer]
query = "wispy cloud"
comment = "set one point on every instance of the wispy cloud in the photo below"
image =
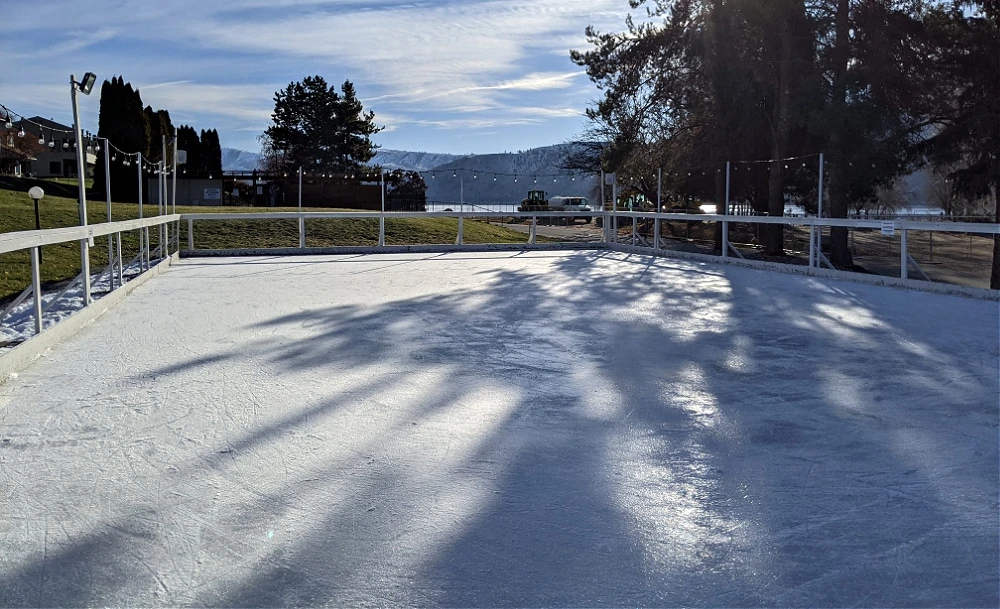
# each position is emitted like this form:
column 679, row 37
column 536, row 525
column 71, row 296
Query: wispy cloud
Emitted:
column 431, row 64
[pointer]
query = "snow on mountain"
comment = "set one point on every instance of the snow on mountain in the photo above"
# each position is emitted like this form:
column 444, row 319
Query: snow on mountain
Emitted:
column 476, row 178
column 413, row 161
column 507, row 178
column 239, row 160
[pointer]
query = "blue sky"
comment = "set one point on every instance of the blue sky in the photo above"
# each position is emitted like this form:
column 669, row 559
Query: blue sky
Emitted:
column 458, row 76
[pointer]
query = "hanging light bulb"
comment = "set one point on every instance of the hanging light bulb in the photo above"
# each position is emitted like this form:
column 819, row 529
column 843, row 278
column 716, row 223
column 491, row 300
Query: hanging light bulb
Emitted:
column 97, row 147
column 52, row 144
column 41, row 140
column 8, row 124
column 114, row 157
column 65, row 145
column 21, row 132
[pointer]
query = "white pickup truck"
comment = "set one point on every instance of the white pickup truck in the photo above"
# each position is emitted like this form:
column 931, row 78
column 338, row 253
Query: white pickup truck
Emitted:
column 571, row 204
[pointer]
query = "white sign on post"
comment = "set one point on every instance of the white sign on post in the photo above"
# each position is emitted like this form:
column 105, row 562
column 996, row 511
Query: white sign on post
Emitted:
column 213, row 194
column 888, row 228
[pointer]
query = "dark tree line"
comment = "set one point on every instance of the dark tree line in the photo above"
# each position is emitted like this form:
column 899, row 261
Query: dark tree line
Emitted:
column 882, row 87
column 131, row 128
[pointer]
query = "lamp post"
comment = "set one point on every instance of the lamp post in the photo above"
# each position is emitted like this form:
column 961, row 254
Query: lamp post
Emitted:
column 36, row 193
column 84, row 86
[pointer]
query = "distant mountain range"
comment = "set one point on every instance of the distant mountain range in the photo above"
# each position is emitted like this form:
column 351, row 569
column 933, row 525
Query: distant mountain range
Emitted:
column 239, row 160
column 474, row 179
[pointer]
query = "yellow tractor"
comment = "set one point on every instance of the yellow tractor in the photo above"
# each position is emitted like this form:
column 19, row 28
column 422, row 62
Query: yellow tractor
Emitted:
column 537, row 200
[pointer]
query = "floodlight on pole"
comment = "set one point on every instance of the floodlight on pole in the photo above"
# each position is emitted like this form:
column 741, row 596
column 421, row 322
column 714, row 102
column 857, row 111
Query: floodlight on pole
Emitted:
column 81, row 170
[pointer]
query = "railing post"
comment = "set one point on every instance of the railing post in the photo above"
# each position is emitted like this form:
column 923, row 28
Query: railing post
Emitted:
column 635, row 222
column 85, row 263
column 812, row 246
column 111, row 257
column 534, row 228
column 149, row 262
column 302, row 231
column 904, row 263
column 121, row 271
column 461, row 230
column 36, row 289
column 190, row 234
column 656, row 233
column 725, row 239
column 381, row 230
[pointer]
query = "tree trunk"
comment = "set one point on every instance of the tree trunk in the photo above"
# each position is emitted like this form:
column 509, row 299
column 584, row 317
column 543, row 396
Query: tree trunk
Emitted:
column 776, row 182
column 720, row 197
column 775, row 242
column 995, row 275
column 840, row 252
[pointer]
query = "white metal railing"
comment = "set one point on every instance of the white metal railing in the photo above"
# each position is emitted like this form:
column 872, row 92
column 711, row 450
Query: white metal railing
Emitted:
column 815, row 226
column 611, row 219
column 33, row 240
column 382, row 217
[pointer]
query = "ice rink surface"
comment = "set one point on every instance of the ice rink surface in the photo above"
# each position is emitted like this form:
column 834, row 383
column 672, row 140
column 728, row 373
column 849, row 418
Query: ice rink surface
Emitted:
column 504, row 429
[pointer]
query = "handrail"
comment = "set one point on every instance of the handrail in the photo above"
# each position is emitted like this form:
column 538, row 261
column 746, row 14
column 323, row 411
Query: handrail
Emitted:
column 21, row 240
column 917, row 225
column 954, row 227
column 347, row 215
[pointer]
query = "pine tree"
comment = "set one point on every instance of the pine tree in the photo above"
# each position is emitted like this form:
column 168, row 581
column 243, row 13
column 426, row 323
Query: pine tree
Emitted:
column 316, row 127
column 187, row 140
column 211, row 153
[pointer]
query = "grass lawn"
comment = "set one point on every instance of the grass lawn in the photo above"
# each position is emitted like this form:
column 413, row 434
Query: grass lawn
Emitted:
column 62, row 262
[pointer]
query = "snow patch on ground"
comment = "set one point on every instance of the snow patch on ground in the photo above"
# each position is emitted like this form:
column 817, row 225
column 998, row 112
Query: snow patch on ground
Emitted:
column 19, row 325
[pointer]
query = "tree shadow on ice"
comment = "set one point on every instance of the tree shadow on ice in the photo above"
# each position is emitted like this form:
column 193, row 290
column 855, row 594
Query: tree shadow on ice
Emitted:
column 622, row 430
column 538, row 510
column 719, row 463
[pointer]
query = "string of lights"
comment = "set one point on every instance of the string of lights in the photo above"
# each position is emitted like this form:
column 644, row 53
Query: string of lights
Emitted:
column 130, row 158
column 568, row 176
column 127, row 159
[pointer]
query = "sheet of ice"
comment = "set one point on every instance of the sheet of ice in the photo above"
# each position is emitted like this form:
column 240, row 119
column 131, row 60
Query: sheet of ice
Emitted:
column 536, row 429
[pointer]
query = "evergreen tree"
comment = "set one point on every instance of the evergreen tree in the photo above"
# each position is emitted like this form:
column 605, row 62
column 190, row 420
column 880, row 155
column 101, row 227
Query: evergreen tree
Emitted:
column 121, row 120
column 187, row 140
column 316, row 127
column 405, row 191
column 211, row 153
